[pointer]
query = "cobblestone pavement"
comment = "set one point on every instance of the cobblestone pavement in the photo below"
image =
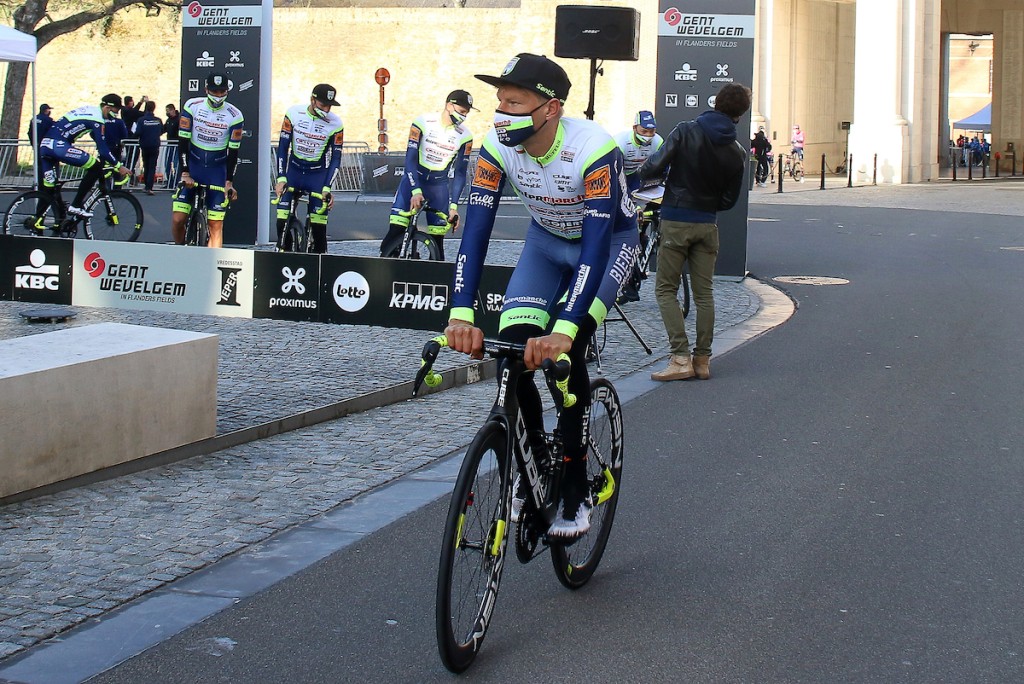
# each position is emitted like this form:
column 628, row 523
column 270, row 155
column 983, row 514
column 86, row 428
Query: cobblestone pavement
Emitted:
column 72, row 556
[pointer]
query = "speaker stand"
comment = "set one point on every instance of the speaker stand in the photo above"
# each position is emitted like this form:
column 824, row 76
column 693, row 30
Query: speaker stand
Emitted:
column 594, row 71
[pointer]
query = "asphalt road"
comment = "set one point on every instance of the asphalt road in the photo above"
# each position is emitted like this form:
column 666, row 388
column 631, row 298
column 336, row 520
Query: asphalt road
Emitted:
column 351, row 219
column 840, row 503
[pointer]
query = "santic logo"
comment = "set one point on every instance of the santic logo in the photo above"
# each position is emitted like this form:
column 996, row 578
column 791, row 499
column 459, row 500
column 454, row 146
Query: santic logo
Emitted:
column 194, row 9
column 94, row 265
column 351, row 291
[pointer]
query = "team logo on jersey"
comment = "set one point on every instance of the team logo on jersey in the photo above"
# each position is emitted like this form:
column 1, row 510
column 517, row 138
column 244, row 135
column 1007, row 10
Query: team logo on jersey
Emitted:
column 598, row 183
column 414, row 134
column 487, row 175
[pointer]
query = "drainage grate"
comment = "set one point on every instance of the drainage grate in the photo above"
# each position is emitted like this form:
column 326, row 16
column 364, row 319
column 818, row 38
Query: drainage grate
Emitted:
column 49, row 315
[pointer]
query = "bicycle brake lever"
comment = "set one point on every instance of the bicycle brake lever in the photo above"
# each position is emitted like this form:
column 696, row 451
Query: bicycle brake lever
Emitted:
column 426, row 373
column 556, row 375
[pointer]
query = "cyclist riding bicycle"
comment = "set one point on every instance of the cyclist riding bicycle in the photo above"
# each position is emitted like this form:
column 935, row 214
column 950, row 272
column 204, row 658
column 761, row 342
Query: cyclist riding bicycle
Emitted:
column 308, row 156
column 798, row 142
column 436, row 160
column 58, row 146
column 579, row 247
column 637, row 144
column 209, row 136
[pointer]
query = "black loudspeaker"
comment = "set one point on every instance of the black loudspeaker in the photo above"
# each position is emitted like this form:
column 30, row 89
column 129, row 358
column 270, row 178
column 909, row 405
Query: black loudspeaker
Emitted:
column 597, row 32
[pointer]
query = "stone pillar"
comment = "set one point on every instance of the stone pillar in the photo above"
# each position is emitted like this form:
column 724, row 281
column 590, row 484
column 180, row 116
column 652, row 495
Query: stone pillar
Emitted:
column 1008, row 95
column 761, row 110
column 896, row 85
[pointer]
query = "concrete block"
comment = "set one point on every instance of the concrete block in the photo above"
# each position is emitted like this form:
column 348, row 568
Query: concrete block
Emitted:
column 80, row 399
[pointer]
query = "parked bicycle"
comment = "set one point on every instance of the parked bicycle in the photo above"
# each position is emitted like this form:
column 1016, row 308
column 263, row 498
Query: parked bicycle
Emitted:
column 479, row 523
column 115, row 214
column 418, row 244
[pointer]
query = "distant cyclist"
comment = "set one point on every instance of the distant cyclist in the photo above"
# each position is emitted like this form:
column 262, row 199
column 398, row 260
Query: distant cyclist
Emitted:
column 436, row 159
column 59, row 146
column 208, row 139
column 308, row 156
column 798, row 142
column 580, row 245
column 637, row 144
column 761, row 147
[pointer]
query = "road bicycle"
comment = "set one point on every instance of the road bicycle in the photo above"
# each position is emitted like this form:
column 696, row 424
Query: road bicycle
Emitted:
column 116, row 214
column 298, row 236
column 479, row 522
column 418, row 244
column 197, row 225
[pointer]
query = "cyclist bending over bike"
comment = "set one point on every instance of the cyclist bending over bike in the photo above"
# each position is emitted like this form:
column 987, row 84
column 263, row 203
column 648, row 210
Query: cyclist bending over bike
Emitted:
column 438, row 144
column 208, row 139
column 581, row 240
column 58, row 146
column 308, row 156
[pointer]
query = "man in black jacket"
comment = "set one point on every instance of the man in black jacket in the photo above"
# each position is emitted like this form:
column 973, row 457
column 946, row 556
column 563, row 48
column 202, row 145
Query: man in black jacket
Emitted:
column 705, row 166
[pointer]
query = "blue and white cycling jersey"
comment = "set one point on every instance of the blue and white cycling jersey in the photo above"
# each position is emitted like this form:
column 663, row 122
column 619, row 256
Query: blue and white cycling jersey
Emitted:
column 576, row 198
column 77, row 123
column 635, row 154
column 309, row 146
column 210, row 133
column 435, row 150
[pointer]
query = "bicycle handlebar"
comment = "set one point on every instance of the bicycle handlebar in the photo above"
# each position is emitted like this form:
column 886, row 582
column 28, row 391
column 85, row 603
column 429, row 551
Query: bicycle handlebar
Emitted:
column 556, row 373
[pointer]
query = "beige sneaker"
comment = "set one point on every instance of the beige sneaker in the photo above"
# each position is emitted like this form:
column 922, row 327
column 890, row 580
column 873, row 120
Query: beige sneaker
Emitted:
column 679, row 368
column 702, row 367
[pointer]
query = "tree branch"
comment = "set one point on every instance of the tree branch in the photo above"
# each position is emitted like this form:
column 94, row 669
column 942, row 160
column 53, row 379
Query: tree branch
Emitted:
column 44, row 34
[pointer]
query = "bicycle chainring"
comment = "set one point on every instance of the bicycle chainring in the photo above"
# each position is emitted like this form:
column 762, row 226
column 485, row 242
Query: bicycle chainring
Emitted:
column 529, row 532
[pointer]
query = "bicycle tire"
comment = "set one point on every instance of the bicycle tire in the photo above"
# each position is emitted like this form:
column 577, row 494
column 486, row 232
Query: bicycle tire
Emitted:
column 422, row 246
column 124, row 224
column 297, row 233
column 575, row 564
column 21, row 215
column 798, row 171
column 473, row 551
column 197, row 232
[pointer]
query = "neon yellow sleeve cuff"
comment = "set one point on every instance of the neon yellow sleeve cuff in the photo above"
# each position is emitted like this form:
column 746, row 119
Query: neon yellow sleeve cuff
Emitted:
column 417, row 191
column 462, row 313
column 282, row 179
column 453, row 207
column 566, row 328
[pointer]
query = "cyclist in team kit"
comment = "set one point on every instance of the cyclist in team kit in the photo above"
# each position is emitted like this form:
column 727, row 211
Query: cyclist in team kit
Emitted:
column 637, row 144
column 209, row 136
column 579, row 247
column 59, row 146
column 308, row 156
column 436, row 159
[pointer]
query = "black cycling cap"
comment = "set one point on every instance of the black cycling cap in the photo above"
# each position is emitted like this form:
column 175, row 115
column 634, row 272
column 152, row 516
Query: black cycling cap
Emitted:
column 217, row 81
column 533, row 72
column 111, row 100
column 44, row 107
column 326, row 94
column 461, row 98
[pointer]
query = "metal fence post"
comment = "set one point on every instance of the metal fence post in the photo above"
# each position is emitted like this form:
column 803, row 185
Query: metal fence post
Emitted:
column 781, row 156
column 849, row 172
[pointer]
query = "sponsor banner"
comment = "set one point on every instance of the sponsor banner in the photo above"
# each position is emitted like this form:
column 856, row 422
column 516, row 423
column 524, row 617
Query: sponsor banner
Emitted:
column 402, row 293
column 704, row 45
column 129, row 275
column 382, row 173
column 36, row 269
column 287, row 286
column 225, row 36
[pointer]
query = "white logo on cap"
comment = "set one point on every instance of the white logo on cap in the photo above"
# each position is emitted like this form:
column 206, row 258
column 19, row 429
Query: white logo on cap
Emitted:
column 330, row 94
column 510, row 66
column 469, row 99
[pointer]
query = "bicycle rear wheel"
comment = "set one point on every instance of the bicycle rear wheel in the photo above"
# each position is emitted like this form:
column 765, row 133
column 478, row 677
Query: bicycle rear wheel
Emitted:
column 473, row 549
column 121, row 221
column 575, row 564
column 296, row 237
column 30, row 213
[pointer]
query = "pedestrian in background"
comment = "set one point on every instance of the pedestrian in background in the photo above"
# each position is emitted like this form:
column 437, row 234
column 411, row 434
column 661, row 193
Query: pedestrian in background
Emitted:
column 171, row 153
column 705, row 164
column 130, row 113
column 41, row 122
column 148, row 129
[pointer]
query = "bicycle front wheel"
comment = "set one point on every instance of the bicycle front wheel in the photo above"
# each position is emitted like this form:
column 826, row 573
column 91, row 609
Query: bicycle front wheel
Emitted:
column 473, row 549
column 422, row 246
column 196, row 231
column 575, row 564
column 121, row 220
column 30, row 213
column 798, row 171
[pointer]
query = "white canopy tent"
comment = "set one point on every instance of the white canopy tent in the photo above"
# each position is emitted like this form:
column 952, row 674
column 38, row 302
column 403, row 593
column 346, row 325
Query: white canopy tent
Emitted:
column 16, row 46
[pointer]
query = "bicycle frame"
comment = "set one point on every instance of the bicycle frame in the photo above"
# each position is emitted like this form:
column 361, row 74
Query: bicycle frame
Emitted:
column 69, row 223
column 411, row 229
